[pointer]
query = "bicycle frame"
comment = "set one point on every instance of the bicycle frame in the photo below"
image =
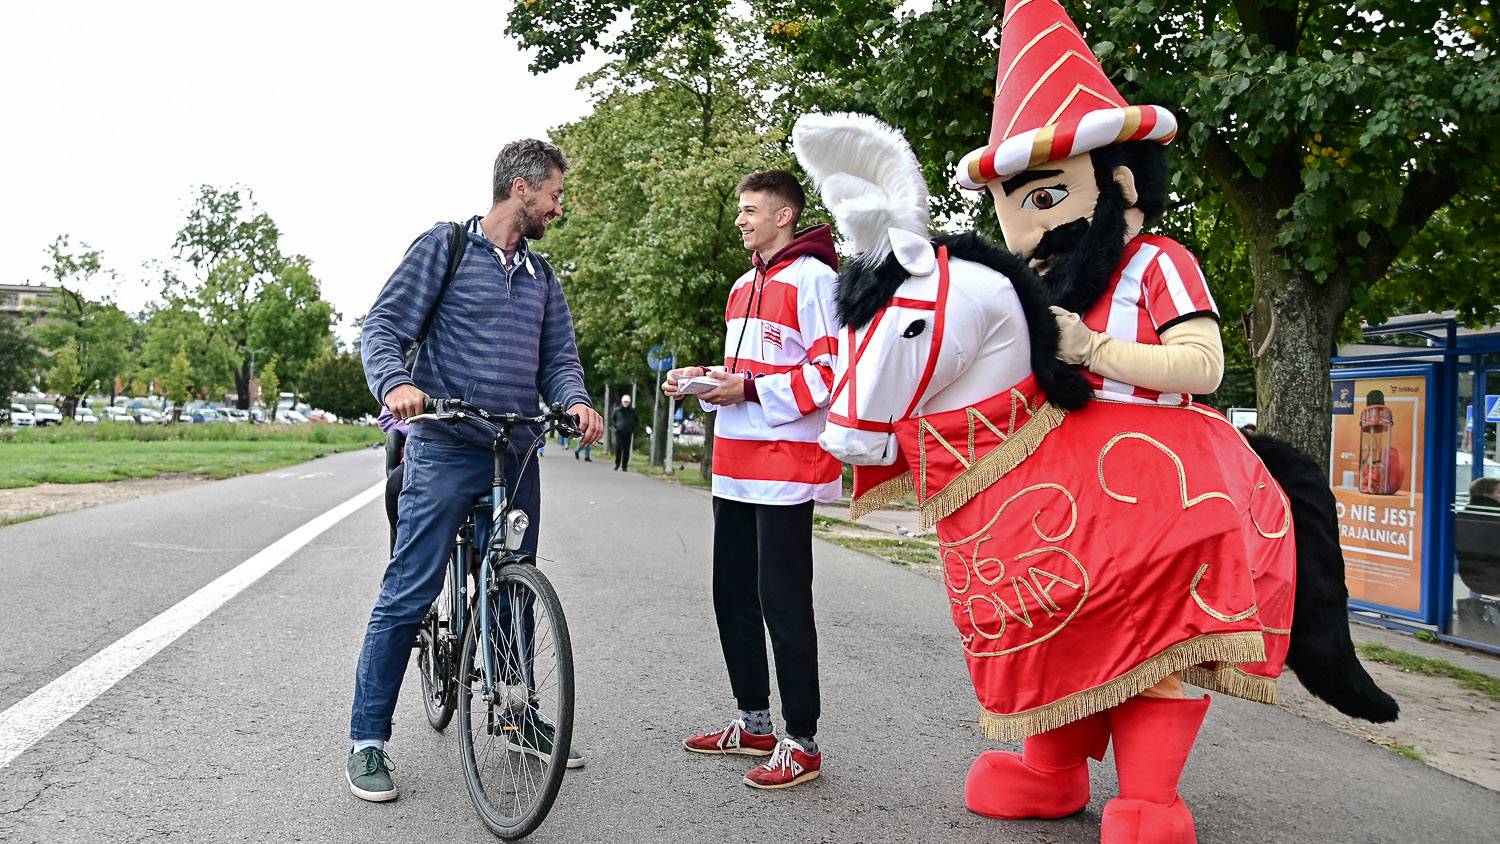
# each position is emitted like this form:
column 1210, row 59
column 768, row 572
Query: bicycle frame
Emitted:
column 475, row 533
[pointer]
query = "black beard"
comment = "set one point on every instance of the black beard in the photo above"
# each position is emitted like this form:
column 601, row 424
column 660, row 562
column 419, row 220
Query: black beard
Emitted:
column 532, row 228
column 1085, row 255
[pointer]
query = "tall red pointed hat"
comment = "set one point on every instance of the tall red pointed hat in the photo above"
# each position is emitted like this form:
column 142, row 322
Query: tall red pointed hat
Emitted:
column 1052, row 99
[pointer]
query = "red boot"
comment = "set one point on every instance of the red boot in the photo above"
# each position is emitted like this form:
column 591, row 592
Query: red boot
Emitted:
column 1153, row 737
column 1049, row 778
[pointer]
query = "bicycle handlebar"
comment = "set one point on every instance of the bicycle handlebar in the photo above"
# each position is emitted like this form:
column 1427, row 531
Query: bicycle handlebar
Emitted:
column 456, row 410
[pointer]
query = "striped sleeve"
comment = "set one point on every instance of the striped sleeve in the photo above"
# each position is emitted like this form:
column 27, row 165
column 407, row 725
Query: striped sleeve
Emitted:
column 789, row 396
column 396, row 318
column 1175, row 287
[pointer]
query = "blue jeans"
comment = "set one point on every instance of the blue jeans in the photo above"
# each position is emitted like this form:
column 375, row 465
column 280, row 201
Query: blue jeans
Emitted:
column 444, row 479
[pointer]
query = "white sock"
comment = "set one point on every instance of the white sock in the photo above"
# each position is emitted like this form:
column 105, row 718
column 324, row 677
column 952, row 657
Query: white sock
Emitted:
column 364, row 743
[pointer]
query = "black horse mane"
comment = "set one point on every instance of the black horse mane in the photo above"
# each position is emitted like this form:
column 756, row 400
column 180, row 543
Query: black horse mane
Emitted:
column 863, row 291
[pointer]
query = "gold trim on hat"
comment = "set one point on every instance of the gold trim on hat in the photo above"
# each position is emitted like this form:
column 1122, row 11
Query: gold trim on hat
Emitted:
column 1132, row 122
column 1082, row 89
column 1041, row 145
column 1071, row 54
column 1022, row 54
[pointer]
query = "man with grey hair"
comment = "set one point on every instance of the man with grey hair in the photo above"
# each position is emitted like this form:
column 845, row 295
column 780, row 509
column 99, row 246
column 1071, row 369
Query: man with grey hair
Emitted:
column 496, row 332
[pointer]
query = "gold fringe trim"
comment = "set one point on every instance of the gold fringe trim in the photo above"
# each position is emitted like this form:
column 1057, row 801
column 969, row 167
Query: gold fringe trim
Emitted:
column 992, row 467
column 1248, row 646
column 1232, row 680
column 882, row 494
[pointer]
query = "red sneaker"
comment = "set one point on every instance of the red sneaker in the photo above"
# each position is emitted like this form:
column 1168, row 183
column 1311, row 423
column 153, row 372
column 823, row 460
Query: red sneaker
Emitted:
column 732, row 739
column 788, row 766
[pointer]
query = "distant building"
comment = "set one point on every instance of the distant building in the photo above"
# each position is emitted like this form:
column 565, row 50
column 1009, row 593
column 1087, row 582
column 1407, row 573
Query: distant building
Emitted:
column 24, row 301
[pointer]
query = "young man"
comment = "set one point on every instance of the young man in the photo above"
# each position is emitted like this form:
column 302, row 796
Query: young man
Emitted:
column 772, row 396
column 500, row 334
column 623, row 421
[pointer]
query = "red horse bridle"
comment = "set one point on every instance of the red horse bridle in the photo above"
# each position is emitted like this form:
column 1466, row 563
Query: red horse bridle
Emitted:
column 939, row 309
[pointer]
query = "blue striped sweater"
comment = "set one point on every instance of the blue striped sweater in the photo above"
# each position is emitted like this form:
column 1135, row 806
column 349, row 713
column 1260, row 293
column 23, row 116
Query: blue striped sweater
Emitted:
column 500, row 337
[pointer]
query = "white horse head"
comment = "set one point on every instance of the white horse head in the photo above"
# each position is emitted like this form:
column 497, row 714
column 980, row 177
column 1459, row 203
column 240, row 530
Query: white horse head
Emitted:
column 928, row 326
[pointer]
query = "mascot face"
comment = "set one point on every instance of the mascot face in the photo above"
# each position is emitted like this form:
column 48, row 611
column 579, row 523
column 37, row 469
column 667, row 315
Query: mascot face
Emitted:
column 1045, row 212
column 1071, row 219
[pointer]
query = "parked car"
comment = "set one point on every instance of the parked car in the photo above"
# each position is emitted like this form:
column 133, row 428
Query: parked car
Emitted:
column 21, row 417
column 148, row 416
column 85, row 415
column 204, row 416
column 321, row 416
column 290, row 417
column 234, row 414
column 118, row 414
column 47, row 414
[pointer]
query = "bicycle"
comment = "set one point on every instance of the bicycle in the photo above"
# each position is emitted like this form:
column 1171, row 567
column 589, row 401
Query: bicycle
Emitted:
column 504, row 675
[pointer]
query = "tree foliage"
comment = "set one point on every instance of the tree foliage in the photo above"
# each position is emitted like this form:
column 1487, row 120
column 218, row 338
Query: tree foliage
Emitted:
column 20, row 358
column 249, row 295
column 1345, row 152
column 335, row 382
column 648, row 249
column 86, row 319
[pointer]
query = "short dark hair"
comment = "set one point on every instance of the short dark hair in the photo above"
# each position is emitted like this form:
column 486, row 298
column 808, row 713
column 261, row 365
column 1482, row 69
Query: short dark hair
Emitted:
column 528, row 158
column 1486, row 487
column 780, row 184
column 1147, row 161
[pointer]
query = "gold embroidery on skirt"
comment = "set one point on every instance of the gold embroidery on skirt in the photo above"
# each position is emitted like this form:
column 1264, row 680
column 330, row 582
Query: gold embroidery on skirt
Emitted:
column 1286, row 511
column 985, row 471
column 1247, row 646
column 1203, row 605
column 1187, row 503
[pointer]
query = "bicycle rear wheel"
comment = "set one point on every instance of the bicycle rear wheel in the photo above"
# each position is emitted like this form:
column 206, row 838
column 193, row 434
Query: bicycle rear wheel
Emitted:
column 434, row 657
column 516, row 735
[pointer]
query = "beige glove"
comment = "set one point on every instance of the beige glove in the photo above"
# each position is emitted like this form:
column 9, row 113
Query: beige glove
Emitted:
column 1190, row 358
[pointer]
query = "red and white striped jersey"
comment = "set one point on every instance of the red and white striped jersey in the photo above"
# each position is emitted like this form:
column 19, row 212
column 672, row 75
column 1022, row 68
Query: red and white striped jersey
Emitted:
column 1157, row 285
column 782, row 332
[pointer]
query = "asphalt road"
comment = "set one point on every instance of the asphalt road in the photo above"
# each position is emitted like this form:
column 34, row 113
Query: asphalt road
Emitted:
column 236, row 731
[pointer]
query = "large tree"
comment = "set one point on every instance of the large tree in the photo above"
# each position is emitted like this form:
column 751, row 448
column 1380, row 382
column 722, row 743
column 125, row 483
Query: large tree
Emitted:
column 85, row 319
column 253, row 299
column 648, row 249
column 1348, row 149
column 335, row 382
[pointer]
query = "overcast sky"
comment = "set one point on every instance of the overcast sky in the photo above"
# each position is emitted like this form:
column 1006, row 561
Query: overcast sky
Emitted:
column 357, row 126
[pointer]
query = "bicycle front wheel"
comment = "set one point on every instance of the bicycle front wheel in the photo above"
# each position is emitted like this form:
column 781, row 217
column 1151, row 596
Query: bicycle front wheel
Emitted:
column 516, row 716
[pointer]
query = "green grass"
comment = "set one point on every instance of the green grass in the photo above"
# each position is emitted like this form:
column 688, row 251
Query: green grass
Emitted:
column 1405, row 750
column 73, row 454
column 1472, row 680
column 15, row 520
column 901, row 552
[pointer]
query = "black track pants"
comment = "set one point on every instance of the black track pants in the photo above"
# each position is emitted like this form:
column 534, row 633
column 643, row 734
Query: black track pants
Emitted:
column 763, row 581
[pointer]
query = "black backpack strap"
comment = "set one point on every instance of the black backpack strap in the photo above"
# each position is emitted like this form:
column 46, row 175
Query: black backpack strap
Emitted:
column 458, row 241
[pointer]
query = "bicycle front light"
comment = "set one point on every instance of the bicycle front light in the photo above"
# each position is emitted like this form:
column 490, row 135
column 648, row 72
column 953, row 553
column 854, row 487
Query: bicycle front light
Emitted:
column 516, row 523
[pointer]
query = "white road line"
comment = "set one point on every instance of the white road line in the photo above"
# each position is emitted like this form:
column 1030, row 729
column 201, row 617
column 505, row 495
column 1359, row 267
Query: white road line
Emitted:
column 45, row 709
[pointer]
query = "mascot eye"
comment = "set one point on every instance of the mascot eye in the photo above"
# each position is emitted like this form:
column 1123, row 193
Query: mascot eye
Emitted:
column 1042, row 199
column 917, row 327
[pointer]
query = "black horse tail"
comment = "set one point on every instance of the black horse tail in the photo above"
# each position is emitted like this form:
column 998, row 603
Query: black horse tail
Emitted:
column 1321, row 651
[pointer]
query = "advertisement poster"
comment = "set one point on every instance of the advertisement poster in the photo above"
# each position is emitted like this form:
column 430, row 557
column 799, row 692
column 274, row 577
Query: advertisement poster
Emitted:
column 1376, row 468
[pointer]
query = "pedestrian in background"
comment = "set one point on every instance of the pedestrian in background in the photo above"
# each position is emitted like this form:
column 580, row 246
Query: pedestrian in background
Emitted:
column 624, row 421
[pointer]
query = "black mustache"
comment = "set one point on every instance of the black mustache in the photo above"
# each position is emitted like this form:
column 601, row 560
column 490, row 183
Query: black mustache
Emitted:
column 1061, row 240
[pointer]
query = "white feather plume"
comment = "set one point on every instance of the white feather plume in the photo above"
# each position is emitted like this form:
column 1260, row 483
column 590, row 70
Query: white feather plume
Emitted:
column 868, row 177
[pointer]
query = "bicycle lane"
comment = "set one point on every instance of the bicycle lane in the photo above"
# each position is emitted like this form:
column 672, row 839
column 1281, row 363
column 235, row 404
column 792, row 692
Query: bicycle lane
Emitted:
column 236, row 731
column 72, row 583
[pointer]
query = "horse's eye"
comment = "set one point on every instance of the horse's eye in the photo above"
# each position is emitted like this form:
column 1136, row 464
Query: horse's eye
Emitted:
column 916, row 327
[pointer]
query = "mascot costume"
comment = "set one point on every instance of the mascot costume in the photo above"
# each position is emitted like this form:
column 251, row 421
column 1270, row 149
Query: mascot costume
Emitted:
column 1103, row 538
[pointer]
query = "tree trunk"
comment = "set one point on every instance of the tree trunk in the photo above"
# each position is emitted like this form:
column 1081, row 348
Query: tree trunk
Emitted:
column 242, row 386
column 706, row 465
column 661, row 428
column 1295, row 323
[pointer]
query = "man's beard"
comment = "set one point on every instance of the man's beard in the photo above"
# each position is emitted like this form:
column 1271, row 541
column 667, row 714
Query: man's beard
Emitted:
column 532, row 227
column 1084, row 255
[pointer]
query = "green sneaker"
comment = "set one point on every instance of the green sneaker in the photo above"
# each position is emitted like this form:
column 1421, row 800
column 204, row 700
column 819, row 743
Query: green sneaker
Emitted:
column 534, row 737
column 369, row 775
